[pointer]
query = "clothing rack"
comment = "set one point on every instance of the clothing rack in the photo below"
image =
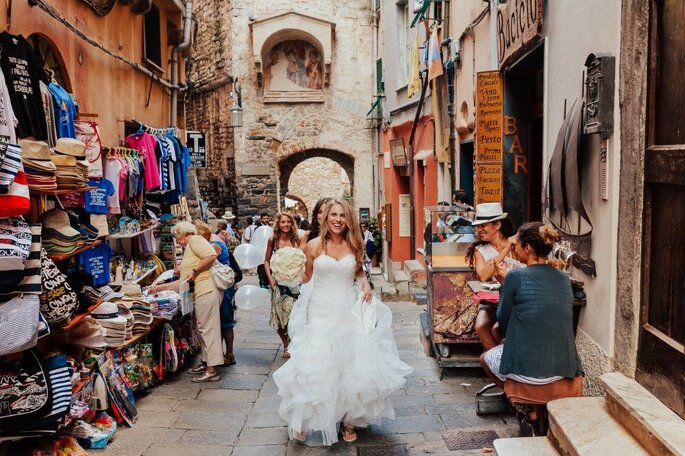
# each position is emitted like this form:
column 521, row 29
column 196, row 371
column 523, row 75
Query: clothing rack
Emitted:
column 122, row 152
column 169, row 131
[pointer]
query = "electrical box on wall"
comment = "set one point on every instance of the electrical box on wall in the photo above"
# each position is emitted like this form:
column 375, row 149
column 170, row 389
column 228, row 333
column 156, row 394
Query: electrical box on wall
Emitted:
column 599, row 88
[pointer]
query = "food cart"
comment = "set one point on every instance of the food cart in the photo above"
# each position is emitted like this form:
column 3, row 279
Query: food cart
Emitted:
column 449, row 323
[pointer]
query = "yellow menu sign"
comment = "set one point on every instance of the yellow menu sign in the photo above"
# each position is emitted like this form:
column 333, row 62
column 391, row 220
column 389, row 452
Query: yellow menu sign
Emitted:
column 489, row 134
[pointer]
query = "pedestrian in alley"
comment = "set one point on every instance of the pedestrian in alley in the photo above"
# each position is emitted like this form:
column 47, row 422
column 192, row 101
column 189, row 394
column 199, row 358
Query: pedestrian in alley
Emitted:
column 492, row 248
column 344, row 363
column 198, row 258
column 249, row 230
column 282, row 296
column 317, row 219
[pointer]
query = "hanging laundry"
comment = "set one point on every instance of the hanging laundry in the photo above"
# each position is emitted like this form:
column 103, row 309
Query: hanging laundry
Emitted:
column 7, row 119
column 145, row 144
column 22, row 76
column 434, row 57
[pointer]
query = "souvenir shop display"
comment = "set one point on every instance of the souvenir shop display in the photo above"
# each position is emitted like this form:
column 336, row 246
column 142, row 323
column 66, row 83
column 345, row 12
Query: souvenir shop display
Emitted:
column 80, row 337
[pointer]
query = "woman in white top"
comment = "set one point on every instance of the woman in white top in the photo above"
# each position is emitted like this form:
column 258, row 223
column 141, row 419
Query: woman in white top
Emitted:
column 494, row 247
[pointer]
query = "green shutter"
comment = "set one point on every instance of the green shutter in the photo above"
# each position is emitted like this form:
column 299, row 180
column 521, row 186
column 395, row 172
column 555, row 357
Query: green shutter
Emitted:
column 379, row 77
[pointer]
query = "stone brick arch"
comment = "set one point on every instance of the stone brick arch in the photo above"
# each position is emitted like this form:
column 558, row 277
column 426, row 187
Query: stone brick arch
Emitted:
column 288, row 161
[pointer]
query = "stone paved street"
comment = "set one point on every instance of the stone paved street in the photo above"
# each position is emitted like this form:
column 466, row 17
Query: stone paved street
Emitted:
column 238, row 415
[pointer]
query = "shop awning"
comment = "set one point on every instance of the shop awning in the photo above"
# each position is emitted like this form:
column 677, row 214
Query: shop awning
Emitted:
column 423, row 154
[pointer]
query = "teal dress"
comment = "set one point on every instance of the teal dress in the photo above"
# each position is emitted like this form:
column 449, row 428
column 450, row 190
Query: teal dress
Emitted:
column 536, row 313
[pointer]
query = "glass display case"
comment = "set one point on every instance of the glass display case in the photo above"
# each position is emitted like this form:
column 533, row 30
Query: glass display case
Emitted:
column 451, row 316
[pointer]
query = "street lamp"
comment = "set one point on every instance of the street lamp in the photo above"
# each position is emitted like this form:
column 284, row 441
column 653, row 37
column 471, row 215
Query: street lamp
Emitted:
column 237, row 109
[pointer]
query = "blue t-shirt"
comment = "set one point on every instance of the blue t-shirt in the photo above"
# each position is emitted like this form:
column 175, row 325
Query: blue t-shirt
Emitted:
column 96, row 262
column 65, row 111
column 96, row 200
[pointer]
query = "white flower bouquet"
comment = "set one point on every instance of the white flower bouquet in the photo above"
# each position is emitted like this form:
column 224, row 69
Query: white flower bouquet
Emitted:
column 287, row 266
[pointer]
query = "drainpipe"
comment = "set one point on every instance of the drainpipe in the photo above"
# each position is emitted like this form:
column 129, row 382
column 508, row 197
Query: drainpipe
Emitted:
column 450, row 75
column 493, row 35
column 187, row 41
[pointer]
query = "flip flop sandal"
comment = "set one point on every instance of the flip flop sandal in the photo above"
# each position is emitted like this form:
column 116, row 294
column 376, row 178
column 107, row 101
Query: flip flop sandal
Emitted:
column 349, row 435
column 286, row 354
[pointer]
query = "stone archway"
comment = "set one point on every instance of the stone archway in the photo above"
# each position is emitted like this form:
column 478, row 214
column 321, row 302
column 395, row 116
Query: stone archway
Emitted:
column 287, row 165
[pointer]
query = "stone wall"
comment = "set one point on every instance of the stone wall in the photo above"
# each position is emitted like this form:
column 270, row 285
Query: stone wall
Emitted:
column 273, row 132
column 315, row 178
column 210, row 101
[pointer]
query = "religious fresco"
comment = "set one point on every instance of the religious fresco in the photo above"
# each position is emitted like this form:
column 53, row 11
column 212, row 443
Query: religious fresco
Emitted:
column 293, row 66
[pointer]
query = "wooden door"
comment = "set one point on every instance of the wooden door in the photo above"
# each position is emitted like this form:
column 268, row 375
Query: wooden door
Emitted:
column 661, row 349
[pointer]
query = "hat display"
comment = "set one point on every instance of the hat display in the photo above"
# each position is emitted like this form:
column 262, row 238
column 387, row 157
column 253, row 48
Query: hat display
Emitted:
column 70, row 146
column 58, row 234
column 40, row 170
column 488, row 212
column 228, row 215
column 88, row 333
column 107, row 314
column 71, row 173
column 132, row 290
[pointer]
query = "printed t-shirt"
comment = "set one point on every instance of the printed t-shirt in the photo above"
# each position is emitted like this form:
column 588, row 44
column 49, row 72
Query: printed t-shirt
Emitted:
column 96, row 200
column 145, row 144
column 22, row 76
column 7, row 119
column 96, row 262
column 65, row 111
column 197, row 249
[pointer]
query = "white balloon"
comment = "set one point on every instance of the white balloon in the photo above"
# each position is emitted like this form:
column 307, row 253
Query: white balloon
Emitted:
column 248, row 256
column 250, row 297
column 261, row 237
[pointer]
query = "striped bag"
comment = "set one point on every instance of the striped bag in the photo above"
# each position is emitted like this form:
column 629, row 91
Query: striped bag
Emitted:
column 31, row 281
column 19, row 318
column 15, row 248
column 10, row 164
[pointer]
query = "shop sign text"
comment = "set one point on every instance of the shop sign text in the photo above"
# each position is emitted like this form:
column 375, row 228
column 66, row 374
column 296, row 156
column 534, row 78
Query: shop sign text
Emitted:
column 489, row 110
column 489, row 183
column 196, row 146
column 518, row 23
column 515, row 149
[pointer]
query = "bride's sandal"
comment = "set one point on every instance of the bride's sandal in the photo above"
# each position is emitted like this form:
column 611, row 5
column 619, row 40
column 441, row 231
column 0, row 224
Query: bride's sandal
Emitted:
column 348, row 434
column 299, row 436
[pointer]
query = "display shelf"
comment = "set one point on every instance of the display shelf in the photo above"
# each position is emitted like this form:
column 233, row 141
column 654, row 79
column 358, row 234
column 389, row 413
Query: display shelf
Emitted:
column 62, row 191
column 140, row 279
column 64, row 256
column 76, row 319
column 154, row 325
column 131, row 235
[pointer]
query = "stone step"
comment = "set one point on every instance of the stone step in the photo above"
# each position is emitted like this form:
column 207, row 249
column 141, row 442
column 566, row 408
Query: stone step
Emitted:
column 582, row 426
column 416, row 271
column 375, row 270
column 653, row 424
column 525, row 446
column 400, row 276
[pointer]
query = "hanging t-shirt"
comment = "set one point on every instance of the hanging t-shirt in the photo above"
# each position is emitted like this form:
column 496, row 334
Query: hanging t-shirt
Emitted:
column 49, row 108
column 96, row 200
column 145, row 144
column 22, row 75
column 96, row 262
column 7, row 119
column 65, row 111
column 112, row 171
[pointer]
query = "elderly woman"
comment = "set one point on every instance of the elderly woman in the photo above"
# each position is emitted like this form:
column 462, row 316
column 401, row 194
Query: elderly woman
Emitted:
column 198, row 258
column 536, row 312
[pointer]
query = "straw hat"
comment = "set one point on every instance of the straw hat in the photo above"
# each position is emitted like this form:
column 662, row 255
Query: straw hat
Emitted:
column 488, row 212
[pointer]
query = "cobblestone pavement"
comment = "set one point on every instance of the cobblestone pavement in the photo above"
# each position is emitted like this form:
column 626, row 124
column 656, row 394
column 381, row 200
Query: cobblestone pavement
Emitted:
column 238, row 415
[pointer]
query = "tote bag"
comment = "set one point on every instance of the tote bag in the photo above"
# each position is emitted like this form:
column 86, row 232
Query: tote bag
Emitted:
column 15, row 248
column 19, row 319
column 58, row 302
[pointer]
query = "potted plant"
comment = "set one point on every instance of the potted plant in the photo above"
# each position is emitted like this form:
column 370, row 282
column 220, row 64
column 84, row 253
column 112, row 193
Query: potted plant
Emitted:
column 377, row 241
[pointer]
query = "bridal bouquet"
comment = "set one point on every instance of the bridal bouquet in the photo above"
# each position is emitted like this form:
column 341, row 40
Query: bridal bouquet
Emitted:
column 287, row 266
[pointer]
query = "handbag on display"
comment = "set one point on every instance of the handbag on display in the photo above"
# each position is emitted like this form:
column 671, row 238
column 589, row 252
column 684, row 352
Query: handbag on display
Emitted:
column 17, row 200
column 15, row 248
column 222, row 275
column 58, row 302
column 28, row 397
column 88, row 133
column 19, row 321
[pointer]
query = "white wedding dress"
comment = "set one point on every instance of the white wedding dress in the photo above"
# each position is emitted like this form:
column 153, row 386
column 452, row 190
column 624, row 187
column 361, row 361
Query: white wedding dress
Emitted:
column 344, row 363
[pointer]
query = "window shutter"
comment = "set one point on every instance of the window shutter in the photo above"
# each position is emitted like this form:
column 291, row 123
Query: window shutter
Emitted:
column 380, row 87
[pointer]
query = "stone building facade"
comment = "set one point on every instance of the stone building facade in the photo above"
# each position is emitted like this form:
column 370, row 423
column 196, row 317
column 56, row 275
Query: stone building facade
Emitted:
column 325, row 116
column 210, row 100
column 316, row 178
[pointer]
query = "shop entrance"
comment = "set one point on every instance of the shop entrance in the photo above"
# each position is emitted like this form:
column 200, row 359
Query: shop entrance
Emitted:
column 661, row 346
column 523, row 129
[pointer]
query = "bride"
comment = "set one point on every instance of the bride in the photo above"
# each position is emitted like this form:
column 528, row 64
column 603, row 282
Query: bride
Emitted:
column 344, row 363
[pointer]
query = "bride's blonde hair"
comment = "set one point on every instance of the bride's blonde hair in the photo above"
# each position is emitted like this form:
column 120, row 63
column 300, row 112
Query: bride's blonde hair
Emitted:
column 352, row 233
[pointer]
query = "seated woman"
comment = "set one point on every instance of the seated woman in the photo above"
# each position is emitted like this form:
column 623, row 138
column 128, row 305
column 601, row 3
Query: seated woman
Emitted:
column 536, row 313
column 493, row 248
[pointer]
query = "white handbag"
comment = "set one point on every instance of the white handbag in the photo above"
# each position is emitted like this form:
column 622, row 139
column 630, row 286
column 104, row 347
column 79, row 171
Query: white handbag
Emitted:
column 19, row 319
column 223, row 275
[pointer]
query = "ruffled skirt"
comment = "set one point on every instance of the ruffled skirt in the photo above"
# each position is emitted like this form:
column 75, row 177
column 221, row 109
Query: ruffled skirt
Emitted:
column 343, row 368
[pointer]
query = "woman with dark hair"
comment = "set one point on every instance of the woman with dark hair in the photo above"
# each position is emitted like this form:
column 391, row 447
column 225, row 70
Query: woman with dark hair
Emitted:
column 285, row 235
column 536, row 313
column 317, row 220
column 345, row 364
column 492, row 248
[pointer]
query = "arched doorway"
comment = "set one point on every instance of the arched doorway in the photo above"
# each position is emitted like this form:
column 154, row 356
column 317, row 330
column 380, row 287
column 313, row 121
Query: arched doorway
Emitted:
column 314, row 173
column 50, row 59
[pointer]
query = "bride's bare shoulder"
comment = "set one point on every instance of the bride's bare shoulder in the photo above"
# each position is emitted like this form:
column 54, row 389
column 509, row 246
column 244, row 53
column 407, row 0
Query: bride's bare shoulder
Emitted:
column 312, row 246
